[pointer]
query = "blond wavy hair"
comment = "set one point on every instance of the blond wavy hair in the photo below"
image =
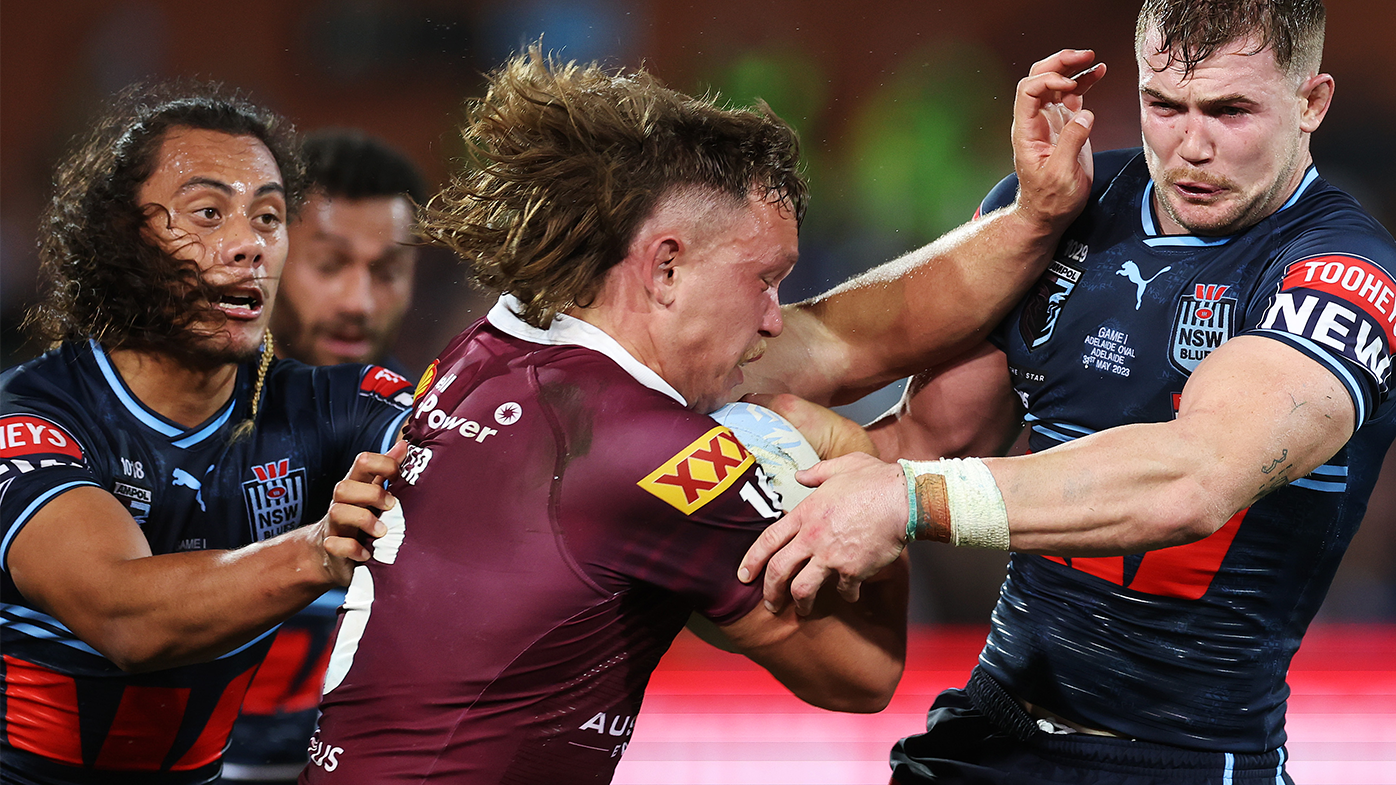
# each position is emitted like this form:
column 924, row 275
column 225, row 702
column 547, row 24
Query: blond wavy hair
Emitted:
column 565, row 161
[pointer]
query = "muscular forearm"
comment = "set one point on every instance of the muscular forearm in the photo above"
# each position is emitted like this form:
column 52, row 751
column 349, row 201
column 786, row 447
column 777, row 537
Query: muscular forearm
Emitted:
column 84, row 562
column 192, row 607
column 1126, row 490
column 907, row 315
column 1254, row 416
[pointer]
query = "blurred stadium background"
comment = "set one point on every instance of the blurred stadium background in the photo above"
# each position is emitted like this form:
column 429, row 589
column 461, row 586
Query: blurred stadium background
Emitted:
column 903, row 108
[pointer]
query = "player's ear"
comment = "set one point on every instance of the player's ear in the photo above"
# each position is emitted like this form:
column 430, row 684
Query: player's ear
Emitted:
column 1317, row 94
column 662, row 262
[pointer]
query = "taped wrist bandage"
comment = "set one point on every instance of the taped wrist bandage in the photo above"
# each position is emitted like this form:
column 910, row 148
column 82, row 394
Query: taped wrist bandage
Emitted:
column 957, row 501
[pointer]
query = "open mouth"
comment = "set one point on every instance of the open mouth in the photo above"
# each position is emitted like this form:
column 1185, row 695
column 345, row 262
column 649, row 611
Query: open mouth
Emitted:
column 241, row 302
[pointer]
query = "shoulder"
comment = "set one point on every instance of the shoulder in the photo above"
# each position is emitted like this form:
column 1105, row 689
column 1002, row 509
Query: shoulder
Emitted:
column 574, row 382
column 52, row 389
column 1327, row 236
column 291, row 379
column 1110, row 166
column 1326, row 218
column 55, row 367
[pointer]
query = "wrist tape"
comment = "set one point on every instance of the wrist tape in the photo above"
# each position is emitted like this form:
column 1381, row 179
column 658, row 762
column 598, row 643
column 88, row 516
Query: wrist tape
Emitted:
column 956, row 501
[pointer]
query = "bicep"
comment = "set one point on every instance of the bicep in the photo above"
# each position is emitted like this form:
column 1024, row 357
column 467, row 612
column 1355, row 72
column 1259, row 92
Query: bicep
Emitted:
column 65, row 559
column 1269, row 413
column 966, row 407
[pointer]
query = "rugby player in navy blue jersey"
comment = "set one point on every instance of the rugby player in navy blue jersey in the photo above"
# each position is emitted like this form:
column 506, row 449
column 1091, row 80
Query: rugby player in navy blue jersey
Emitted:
column 1205, row 370
column 161, row 475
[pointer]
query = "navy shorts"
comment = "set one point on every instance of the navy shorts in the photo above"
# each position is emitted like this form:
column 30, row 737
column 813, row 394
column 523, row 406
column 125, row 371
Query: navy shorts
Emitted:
column 963, row 744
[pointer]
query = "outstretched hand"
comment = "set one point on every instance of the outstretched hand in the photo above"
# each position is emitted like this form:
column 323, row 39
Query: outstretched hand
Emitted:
column 352, row 520
column 852, row 526
column 1051, row 136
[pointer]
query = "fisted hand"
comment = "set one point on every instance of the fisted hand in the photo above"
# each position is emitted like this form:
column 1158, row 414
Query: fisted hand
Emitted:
column 351, row 524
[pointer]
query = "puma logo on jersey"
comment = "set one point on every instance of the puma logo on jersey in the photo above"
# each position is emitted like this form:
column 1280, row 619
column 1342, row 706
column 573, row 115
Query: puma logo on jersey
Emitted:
column 1131, row 271
column 183, row 479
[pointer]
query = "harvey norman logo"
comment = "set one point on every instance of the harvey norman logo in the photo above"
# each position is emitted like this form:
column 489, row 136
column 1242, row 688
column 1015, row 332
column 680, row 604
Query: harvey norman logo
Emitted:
column 1343, row 303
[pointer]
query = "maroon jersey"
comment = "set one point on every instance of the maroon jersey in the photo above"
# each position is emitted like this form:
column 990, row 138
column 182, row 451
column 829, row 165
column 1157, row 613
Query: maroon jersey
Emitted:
column 562, row 513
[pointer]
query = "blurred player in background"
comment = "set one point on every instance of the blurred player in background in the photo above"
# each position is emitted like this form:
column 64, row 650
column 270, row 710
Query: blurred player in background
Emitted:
column 342, row 295
column 349, row 271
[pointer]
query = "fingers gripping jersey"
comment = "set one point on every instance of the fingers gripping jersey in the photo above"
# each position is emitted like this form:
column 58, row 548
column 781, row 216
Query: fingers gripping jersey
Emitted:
column 1189, row 645
column 560, row 519
column 67, row 420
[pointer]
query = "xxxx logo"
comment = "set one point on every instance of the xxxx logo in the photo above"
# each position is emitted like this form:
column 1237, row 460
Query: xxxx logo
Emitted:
column 700, row 472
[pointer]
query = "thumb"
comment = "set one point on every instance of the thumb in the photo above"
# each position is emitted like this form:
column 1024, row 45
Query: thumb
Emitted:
column 818, row 474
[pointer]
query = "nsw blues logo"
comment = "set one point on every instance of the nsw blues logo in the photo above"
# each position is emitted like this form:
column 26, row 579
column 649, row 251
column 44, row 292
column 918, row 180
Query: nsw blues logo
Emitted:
column 1204, row 322
column 275, row 499
column 1044, row 306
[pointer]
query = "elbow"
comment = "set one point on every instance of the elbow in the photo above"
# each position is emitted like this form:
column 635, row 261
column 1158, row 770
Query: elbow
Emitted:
column 135, row 652
column 866, row 692
column 1187, row 516
column 135, row 659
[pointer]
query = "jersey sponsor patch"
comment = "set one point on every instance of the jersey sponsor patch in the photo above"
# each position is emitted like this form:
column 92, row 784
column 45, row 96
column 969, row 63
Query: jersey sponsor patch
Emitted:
column 1343, row 303
column 383, row 383
column 23, row 435
column 1205, row 320
column 275, row 498
column 425, row 382
column 136, row 499
column 700, row 472
column 1044, row 306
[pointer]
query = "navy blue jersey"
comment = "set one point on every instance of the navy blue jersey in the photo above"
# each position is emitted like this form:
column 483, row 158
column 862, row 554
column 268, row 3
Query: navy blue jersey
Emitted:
column 1189, row 645
column 68, row 420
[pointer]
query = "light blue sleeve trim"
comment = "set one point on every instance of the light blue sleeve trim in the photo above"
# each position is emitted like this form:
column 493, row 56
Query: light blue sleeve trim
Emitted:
column 1319, row 485
column 1330, row 470
column 30, row 627
column 390, row 435
column 1061, row 431
column 29, row 511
